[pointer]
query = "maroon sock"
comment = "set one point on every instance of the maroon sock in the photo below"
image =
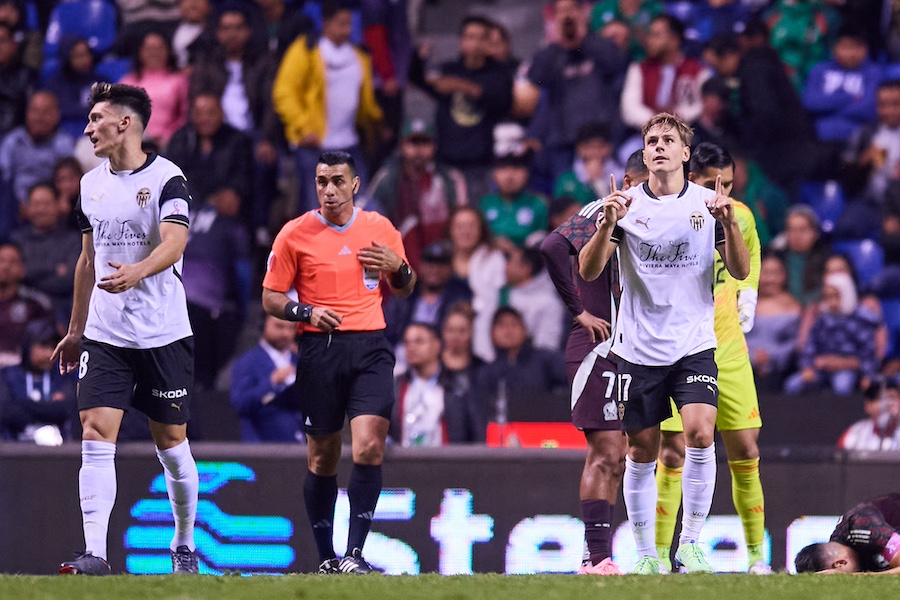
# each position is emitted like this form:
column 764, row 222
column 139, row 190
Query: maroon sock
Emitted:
column 597, row 515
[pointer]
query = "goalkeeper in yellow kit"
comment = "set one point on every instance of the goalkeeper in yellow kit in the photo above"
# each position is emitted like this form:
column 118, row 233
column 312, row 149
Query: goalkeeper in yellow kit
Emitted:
column 738, row 419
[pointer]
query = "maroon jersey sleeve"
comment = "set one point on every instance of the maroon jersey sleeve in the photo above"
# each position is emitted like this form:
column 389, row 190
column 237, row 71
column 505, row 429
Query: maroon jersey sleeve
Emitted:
column 865, row 529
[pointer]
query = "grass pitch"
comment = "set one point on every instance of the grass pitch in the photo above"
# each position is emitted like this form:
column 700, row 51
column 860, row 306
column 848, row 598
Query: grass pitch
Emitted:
column 436, row 587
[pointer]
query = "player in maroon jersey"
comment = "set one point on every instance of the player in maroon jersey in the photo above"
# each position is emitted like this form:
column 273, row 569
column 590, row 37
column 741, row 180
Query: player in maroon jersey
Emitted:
column 592, row 371
column 866, row 539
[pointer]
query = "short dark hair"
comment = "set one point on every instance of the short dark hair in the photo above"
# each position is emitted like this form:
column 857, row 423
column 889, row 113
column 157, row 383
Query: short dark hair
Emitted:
column 674, row 24
column 890, row 83
column 534, row 259
column 506, row 311
column 852, row 32
column 723, row 43
column 710, row 156
column 879, row 384
column 461, row 307
column 332, row 7
column 68, row 162
column 127, row 96
column 333, row 158
column 715, row 86
column 429, row 327
column 756, row 27
column 811, row 559
column 591, row 131
column 231, row 6
column 635, row 162
column 39, row 185
column 9, row 31
column 475, row 20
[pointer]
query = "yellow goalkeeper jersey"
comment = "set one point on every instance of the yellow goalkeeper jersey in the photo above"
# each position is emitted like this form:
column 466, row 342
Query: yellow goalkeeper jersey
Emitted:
column 731, row 342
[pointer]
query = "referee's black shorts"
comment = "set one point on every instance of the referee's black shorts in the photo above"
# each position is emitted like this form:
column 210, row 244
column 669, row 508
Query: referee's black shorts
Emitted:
column 344, row 374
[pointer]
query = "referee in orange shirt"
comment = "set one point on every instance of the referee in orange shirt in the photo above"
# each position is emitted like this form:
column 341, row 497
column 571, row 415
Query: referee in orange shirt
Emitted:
column 335, row 258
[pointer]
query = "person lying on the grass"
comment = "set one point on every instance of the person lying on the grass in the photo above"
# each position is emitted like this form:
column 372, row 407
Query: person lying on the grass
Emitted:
column 865, row 540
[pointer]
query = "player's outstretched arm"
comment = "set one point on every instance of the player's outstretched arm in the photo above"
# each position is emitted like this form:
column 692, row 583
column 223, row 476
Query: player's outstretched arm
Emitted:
column 173, row 236
column 69, row 347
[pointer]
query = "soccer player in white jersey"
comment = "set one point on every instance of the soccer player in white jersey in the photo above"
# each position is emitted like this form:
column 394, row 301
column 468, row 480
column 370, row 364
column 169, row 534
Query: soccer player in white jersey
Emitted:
column 667, row 231
column 130, row 339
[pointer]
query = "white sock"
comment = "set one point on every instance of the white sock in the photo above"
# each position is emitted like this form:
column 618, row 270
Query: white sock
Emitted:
column 182, row 482
column 639, row 489
column 698, row 482
column 97, row 492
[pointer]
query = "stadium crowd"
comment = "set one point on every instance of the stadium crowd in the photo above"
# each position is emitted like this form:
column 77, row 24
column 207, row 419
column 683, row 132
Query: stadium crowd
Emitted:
column 247, row 93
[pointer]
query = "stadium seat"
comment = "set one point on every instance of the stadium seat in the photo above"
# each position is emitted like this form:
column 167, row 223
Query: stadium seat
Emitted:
column 890, row 71
column 31, row 15
column 891, row 310
column 827, row 200
column 94, row 20
column 866, row 256
column 113, row 69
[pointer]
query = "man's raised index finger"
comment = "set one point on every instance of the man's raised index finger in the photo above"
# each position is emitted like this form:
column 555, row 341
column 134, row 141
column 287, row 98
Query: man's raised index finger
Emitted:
column 612, row 183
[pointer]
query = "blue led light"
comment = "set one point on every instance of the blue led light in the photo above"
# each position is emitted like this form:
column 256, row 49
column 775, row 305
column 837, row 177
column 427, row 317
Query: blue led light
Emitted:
column 213, row 476
column 224, row 542
column 235, row 528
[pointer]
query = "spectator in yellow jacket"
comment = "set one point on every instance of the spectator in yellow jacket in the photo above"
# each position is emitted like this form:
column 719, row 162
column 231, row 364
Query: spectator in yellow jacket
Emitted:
column 324, row 95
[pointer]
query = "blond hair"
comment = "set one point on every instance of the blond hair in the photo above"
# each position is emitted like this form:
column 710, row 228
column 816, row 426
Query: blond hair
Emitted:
column 670, row 121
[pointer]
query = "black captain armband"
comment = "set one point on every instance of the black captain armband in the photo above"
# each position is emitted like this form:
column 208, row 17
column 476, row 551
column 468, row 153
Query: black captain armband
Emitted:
column 402, row 277
column 294, row 311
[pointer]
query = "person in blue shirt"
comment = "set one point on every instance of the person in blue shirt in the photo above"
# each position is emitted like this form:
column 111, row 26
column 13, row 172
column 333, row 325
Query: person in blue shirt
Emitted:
column 259, row 382
column 840, row 92
column 36, row 402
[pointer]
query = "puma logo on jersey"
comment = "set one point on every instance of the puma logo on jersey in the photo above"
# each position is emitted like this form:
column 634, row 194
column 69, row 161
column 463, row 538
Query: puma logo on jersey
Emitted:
column 176, row 406
column 644, row 223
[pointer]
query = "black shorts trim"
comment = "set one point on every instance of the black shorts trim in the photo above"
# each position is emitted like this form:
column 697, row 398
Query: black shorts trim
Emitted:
column 644, row 392
column 156, row 381
column 343, row 375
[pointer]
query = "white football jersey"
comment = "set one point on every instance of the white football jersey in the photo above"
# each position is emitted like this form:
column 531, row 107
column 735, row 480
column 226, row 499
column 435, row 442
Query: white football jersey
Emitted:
column 667, row 256
column 123, row 212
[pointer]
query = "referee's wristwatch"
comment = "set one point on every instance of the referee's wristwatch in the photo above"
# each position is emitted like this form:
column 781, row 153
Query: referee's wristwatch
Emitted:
column 306, row 313
column 401, row 276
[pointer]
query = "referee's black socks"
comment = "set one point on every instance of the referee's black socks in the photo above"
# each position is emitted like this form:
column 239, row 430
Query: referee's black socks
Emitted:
column 363, row 491
column 320, row 495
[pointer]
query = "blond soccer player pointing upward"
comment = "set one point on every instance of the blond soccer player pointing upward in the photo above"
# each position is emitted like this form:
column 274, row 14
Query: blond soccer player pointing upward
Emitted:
column 668, row 232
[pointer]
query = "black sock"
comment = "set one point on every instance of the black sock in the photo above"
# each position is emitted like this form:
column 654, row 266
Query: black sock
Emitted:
column 596, row 515
column 320, row 494
column 363, row 491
